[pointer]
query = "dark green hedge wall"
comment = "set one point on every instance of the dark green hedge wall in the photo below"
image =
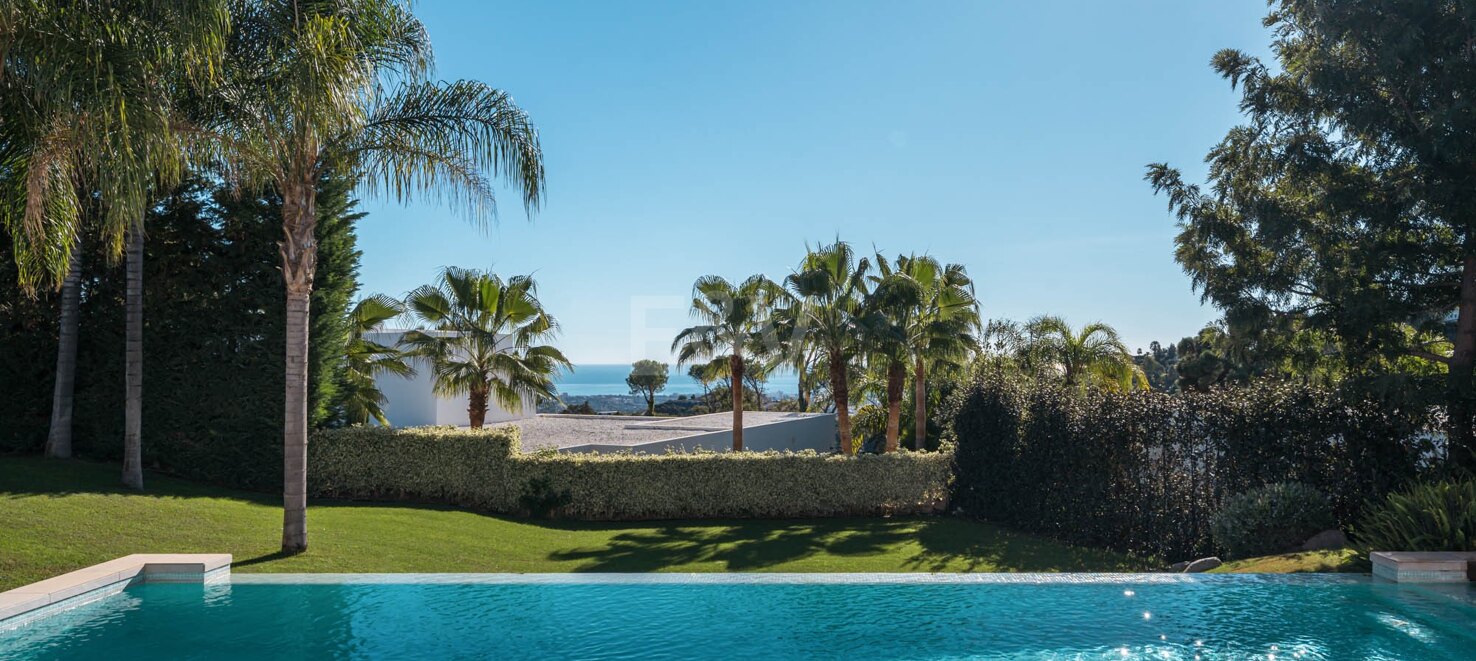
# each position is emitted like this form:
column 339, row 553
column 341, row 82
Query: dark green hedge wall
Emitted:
column 1146, row 472
column 213, row 337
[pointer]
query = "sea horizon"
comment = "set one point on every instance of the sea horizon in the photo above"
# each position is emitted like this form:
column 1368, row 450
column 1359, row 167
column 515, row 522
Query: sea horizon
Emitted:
column 590, row 379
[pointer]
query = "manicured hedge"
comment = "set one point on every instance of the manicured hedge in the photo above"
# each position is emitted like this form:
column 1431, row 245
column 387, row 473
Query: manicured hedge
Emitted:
column 1147, row 472
column 485, row 470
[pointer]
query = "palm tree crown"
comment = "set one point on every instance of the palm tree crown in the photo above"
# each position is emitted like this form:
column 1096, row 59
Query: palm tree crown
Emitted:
column 366, row 359
column 735, row 326
column 312, row 87
column 483, row 339
column 828, row 307
column 88, row 105
column 940, row 321
column 1094, row 355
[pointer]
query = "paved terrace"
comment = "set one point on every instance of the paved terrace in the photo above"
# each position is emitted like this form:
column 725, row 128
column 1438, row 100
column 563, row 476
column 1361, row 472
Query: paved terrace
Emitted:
column 562, row 431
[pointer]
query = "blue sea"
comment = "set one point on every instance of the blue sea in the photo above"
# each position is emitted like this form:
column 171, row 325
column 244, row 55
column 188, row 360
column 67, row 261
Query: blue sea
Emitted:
column 610, row 380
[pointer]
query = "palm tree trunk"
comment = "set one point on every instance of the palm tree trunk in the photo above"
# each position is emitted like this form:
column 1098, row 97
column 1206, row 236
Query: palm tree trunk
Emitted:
column 133, row 363
column 299, row 263
column 735, row 385
column 59, row 438
column 895, row 373
column 476, row 408
column 920, row 406
column 804, row 401
column 841, row 392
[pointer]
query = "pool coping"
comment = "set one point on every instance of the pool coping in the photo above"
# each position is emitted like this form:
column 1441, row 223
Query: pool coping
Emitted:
column 75, row 588
column 1424, row 567
column 778, row 578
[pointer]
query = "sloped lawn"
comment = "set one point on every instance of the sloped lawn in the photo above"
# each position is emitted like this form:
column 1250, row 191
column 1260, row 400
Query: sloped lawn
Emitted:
column 56, row 516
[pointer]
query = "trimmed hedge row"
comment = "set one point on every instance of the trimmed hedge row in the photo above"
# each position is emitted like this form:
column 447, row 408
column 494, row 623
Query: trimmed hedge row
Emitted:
column 485, row 470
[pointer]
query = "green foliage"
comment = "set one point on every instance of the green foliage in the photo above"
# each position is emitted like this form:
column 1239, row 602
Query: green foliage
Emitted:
column 1343, row 204
column 1093, row 356
column 89, row 94
column 541, row 500
column 213, row 338
column 1431, row 516
column 647, row 377
column 483, row 339
column 364, row 360
column 1145, row 472
column 483, row 469
column 582, row 408
column 1275, row 518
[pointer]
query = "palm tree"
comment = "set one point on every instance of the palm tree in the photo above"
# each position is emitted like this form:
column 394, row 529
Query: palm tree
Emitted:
column 316, row 86
column 894, row 301
column 366, row 359
column 829, row 290
column 735, row 324
column 133, row 361
column 90, row 93
column 482, row 340
column 940, row 321
column 1095, row 355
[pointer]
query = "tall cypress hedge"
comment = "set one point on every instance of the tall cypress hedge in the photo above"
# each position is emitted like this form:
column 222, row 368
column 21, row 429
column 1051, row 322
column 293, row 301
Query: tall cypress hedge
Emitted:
column 1146, row 472
column 213, row 337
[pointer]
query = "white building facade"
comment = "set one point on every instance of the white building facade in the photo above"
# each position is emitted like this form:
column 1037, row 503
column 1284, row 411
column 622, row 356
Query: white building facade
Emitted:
column 412, row 401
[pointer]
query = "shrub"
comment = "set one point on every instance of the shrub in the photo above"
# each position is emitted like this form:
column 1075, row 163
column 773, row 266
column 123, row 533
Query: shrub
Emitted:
column 1146, row 472
column 1271, row 519
column 483, row 469
column 1433, row 516
column 541, row 500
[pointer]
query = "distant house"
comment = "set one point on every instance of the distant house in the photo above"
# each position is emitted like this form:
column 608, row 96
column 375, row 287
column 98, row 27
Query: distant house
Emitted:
column 412, row 402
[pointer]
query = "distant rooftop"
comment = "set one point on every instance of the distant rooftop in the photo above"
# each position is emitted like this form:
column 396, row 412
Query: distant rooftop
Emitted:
column 562, row 431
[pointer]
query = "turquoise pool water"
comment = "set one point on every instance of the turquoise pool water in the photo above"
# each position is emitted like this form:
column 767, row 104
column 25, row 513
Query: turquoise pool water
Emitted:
column 773, row 617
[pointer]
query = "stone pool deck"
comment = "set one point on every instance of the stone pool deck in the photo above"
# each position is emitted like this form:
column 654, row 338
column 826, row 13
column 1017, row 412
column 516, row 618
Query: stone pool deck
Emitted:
column 84, row 585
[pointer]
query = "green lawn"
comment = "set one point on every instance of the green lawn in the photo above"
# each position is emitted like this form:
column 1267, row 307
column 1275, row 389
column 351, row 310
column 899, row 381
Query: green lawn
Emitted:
column 56, row 516
column 1345, row 560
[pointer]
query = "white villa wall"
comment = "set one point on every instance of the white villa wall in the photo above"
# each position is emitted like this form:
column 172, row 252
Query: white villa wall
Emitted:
column 412, row 402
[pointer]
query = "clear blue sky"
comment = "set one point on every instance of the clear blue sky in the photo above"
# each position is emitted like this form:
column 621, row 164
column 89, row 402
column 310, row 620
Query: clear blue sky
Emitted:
column 687, row 138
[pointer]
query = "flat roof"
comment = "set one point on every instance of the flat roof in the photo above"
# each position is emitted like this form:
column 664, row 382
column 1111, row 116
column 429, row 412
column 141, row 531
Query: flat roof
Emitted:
column 556, row 430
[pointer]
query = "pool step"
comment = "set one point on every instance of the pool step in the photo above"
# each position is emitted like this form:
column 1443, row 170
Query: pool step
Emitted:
column 1424, row 567
column 73, row 589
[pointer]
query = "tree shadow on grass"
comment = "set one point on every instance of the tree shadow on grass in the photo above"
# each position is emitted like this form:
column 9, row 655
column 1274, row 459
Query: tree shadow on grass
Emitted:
column 737, row 545
column 947, row 544
column 951, row 544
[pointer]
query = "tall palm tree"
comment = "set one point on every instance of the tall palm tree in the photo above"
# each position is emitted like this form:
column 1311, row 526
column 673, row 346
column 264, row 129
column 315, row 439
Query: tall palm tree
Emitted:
column 1094, row 355
column 940, row 321
column 366, row 359
column 312, row 86
column 735, row 325
column 133, row 361
column 893, row 302
column 829, row 290
column 90, row 93
column 482, row 340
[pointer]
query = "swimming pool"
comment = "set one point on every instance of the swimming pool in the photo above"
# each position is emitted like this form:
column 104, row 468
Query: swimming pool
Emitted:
column 778, row 616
